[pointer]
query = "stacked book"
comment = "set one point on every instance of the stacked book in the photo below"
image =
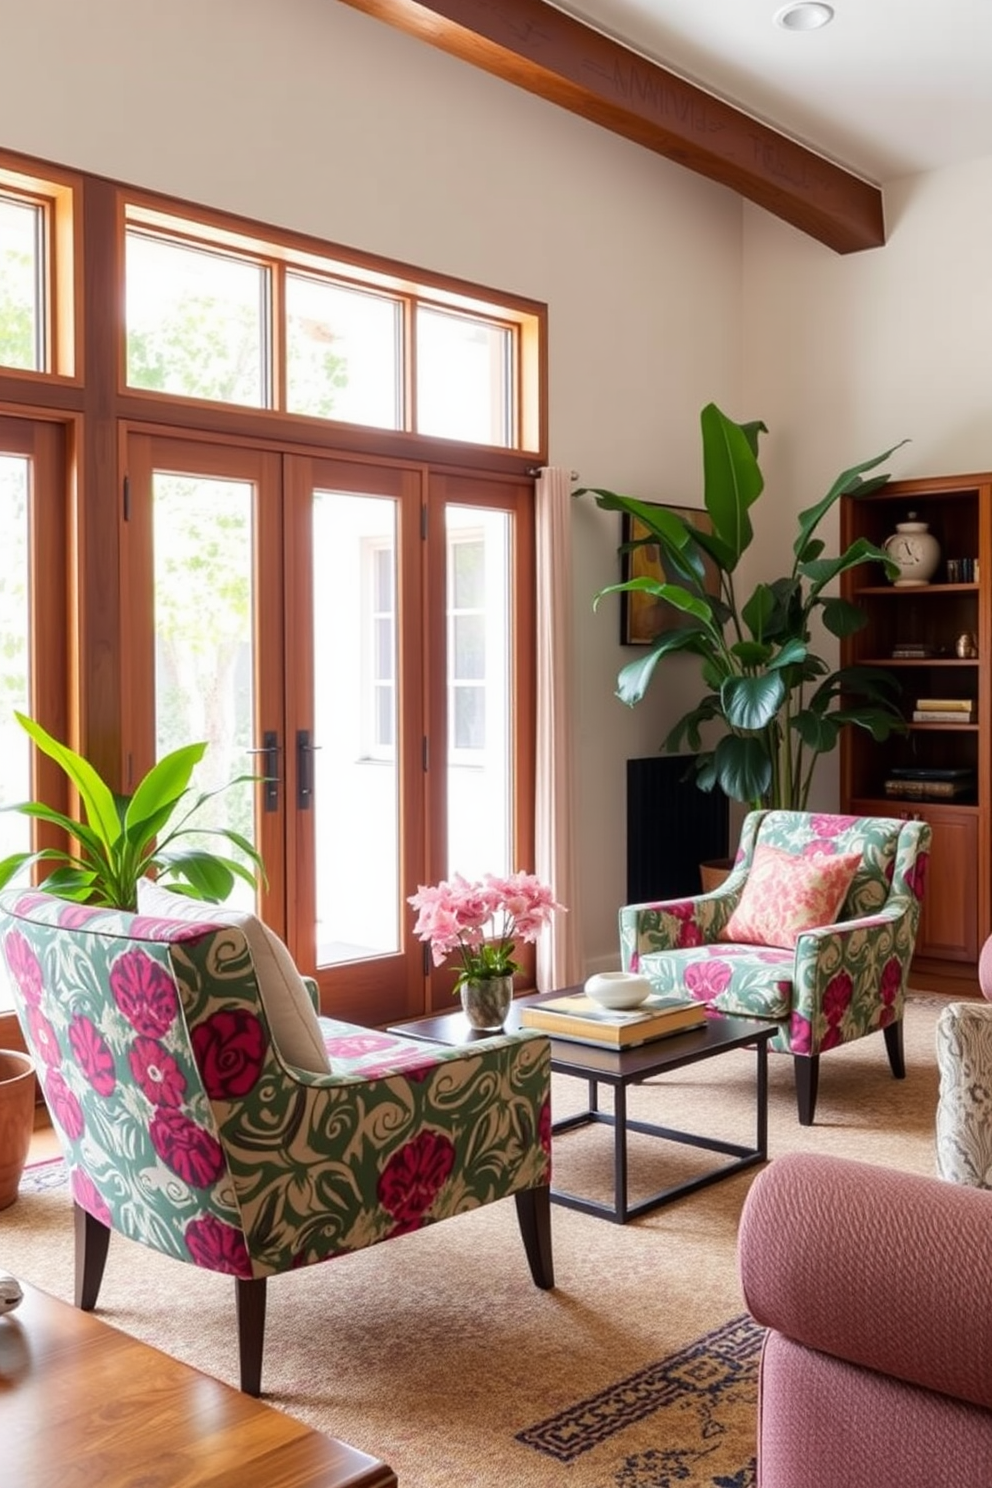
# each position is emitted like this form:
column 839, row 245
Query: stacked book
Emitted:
column 913, row 651
column 923, row 784
column 944, row 710
column 575, row 1016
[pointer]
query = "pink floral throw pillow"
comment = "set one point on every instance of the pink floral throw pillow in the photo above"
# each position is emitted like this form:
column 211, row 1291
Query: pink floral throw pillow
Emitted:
column 785, row 895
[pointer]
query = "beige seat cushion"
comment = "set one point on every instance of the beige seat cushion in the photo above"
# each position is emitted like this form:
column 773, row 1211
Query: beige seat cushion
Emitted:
column 291, row 1018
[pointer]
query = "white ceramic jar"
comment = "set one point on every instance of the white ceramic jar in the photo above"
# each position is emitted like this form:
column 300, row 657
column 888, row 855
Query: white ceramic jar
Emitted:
column 915, row 549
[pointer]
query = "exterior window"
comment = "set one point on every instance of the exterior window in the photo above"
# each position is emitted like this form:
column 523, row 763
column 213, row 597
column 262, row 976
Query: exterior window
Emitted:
column 467, row 643
column 197, row 322
column 22, row 301
column 382, row 649
column 464, row 376
column 343, row 353
column 481, row 784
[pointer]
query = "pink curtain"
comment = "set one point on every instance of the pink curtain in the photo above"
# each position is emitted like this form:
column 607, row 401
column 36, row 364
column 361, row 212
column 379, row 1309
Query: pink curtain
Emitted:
column 559, row 956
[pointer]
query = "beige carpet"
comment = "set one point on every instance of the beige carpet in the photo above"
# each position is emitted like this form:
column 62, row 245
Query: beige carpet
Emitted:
column 436, row 1353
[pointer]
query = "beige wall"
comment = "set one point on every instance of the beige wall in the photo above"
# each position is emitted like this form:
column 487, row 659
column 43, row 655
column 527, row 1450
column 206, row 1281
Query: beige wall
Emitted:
column 845, row 357
column 307, row 114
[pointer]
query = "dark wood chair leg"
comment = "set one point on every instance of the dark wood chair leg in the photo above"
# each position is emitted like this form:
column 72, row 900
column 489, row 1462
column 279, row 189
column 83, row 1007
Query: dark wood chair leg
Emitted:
column 894, row 1049
column 92, row 1241
column 250, row 1298
column 534, row 1218
column 807, row 1081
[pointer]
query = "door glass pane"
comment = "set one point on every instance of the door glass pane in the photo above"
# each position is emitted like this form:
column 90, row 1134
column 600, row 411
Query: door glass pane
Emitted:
column 21, row 303
column 197, row 322
column 356, row 802
column 463, row 377
column 15, row 682
column 342, row 353
column 480, row 774
column 203, row 641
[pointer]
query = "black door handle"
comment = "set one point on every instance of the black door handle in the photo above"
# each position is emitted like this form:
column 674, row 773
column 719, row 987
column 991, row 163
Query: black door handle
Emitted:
column 304, row 769
column 270, row 766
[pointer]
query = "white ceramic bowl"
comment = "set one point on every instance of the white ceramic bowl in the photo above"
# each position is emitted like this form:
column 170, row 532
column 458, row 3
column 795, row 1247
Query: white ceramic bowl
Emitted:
column 618, row 989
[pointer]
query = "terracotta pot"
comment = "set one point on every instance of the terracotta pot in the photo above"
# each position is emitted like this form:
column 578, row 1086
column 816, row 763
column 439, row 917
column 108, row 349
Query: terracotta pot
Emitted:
column 712, row 874
column 17, row 1099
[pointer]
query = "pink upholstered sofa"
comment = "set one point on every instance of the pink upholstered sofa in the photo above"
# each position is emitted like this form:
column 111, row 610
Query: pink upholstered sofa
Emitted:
column 876, row 1289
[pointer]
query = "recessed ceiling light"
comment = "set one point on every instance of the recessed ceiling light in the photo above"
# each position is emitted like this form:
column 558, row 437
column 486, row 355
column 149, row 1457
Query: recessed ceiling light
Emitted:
column 807, row 15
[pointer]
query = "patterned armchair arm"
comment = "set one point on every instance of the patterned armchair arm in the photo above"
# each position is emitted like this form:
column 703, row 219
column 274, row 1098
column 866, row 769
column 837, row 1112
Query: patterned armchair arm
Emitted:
column 325, row 1164
column 671, row 923
column 850, row 978
column 313, row 992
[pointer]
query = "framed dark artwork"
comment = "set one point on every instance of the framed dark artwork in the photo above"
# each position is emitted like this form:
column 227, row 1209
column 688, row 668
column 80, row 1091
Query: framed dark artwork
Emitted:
column 642, row 617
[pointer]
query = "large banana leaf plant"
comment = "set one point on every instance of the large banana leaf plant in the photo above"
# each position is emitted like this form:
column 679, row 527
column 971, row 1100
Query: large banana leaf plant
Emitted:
column 122, row 838
column 779, row 705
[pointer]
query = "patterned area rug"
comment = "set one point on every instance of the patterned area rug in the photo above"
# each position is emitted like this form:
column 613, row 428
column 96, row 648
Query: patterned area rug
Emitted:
column 699, row 1391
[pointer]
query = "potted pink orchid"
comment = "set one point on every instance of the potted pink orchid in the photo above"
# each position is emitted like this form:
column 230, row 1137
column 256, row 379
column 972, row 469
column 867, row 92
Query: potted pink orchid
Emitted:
column 481, row 922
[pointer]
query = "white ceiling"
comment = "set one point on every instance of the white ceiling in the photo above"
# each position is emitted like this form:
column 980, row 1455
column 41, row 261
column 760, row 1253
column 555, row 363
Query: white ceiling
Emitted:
column 889, row 88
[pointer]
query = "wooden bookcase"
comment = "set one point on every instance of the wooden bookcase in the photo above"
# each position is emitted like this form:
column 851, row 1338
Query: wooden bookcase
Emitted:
column 957, row 909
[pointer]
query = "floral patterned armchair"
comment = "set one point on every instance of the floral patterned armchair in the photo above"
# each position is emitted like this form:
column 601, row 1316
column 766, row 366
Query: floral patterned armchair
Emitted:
column 839, row 898
column 185, row 1128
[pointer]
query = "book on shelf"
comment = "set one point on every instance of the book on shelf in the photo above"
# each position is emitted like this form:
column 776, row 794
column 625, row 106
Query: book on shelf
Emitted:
column 950, row 716
column 576, row 1017
column 929, row 790
column 932, row 772
column 905, row 651
column 946, row 705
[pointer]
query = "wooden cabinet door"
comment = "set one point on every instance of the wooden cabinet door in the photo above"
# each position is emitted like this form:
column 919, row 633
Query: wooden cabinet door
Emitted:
column 949, row 921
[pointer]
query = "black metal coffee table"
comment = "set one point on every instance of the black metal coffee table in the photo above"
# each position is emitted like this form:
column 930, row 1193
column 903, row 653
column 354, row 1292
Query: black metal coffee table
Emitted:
column 618, row 1069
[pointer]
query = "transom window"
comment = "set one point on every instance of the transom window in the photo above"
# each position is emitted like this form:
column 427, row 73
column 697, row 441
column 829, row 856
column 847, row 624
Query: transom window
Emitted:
column 22, row 300
column 213, row 314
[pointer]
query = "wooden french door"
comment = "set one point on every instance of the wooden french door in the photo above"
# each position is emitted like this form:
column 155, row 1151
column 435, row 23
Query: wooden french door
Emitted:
column 352, row 630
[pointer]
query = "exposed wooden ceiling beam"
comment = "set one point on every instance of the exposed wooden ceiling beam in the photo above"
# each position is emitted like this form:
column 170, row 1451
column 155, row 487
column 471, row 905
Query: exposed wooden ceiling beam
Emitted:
column 541, row 49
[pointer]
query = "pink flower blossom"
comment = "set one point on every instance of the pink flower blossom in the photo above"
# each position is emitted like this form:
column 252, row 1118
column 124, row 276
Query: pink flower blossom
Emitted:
column 831, row 826
column 144, row 992
column 92, row 1055
column 44, row 1037
column 481, row 921
column 414, row 1176
column 837, row 999
column 24, row 966
column 158, row 1074
column 705, row 980
column 63, row 1104
column 186, row 1148
column 88, row 1197
column 217, row 1246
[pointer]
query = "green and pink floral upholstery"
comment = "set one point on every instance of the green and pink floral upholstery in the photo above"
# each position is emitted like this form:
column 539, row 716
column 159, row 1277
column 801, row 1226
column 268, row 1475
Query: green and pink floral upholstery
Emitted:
column 823, row 984
column 184, row 1128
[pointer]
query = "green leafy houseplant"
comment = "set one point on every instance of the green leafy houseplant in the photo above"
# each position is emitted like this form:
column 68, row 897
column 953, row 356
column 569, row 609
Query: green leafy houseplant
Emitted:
column 121, row 838
column 775, row 703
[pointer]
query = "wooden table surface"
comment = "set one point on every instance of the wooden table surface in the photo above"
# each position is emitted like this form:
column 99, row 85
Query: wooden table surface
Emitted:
column 83, row 1405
